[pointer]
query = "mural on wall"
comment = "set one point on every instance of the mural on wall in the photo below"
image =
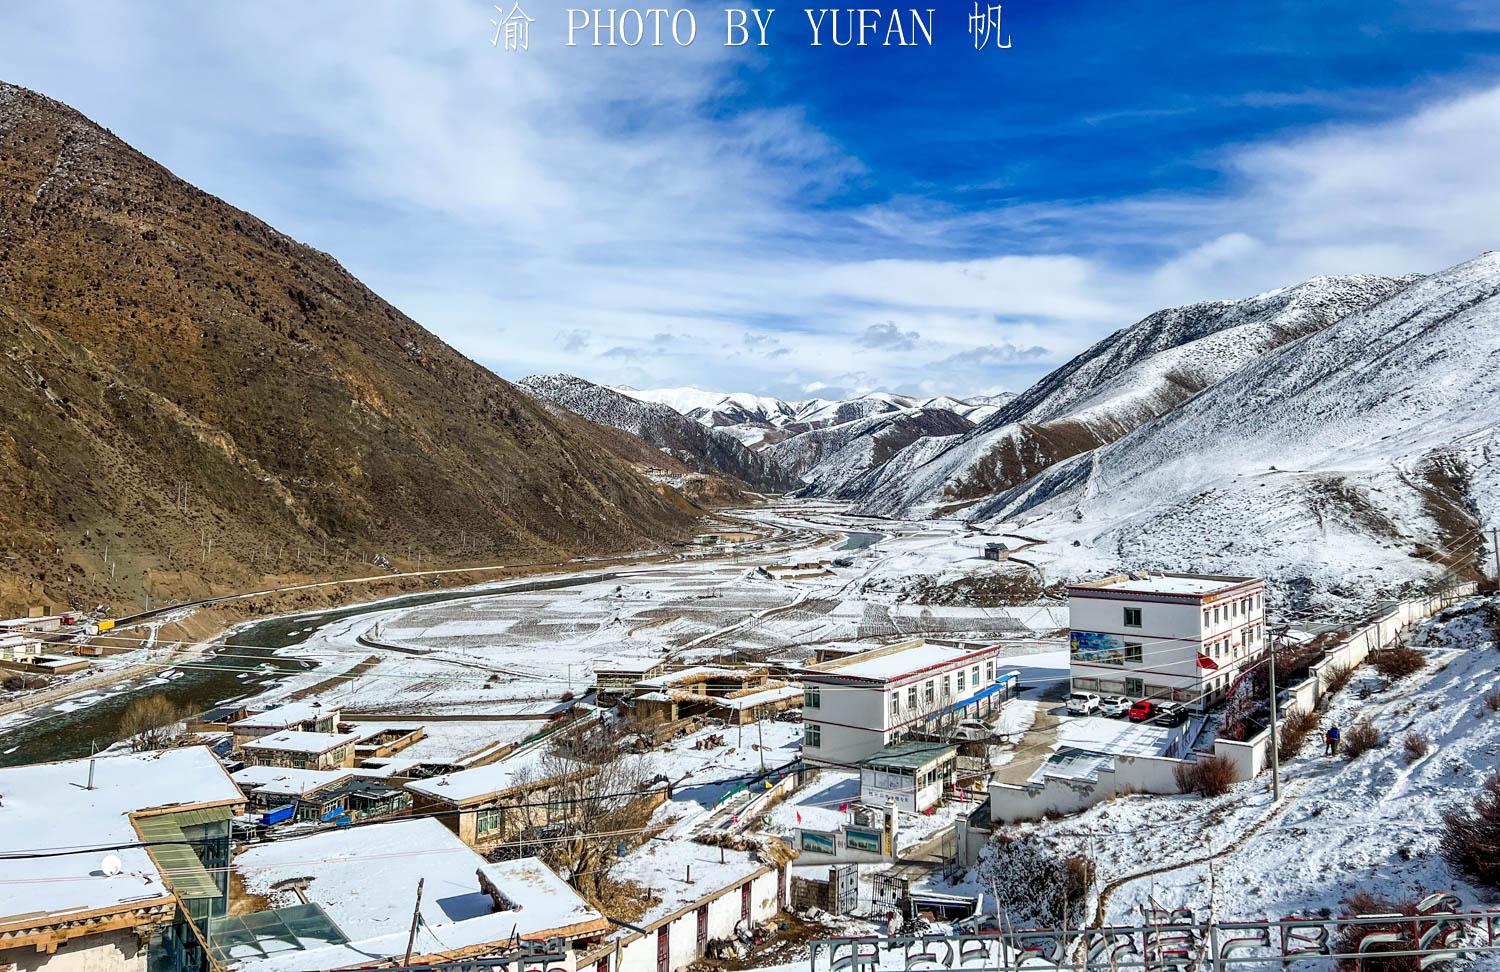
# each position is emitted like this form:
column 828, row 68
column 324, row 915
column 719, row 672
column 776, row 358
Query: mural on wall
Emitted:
column 817, row 843
column 1097, row 647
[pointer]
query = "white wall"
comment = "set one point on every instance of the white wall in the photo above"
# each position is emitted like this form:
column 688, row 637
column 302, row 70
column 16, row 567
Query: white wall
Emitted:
column 116, row 951
column 723, row 914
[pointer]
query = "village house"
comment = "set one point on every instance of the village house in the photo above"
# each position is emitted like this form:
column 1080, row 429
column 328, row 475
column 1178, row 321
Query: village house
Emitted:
column 345, row 917
column 336, row 796
column 297, row 749
column 736, row 695
column 702, row 894
column 1173, row 637
column 910, row 776
column 490, row 804
column 296, row 716
column 800, row 571
column 614, row 677
column 855, row 706
column 128, row 909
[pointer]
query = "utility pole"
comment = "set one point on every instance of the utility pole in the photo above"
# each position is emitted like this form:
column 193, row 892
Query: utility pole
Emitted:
column 416, row 914
column 1275, row 743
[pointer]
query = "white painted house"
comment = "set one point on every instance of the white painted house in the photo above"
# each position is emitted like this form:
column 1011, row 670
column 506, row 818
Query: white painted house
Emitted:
column 857, row 705
column 1177, row 637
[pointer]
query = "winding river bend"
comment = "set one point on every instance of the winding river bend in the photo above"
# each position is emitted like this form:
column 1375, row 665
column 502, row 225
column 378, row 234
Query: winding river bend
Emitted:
column 70, row 728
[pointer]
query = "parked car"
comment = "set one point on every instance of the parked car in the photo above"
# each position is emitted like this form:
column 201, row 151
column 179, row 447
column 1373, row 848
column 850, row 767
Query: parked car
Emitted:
column 1114, row 706
column 1143, row 710
column 1083, row 703
column 1171, row 714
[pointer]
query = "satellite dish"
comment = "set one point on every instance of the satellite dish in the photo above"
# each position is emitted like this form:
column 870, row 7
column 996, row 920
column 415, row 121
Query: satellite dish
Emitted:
column 111, row 865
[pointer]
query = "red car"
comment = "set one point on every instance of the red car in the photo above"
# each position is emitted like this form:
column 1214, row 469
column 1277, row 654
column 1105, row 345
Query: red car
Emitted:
column 1142, row 711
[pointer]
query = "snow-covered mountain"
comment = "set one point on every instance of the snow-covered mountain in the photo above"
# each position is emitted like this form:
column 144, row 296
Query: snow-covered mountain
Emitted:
column 761, row 422
column 699, row 447
column 826, row 458
column 1124, row 381
column 1360, row 454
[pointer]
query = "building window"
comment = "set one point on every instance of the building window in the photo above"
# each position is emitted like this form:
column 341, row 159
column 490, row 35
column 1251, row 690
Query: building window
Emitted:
column 1132, row 617
column 895, row 704
column 1134, row 688
column 947, row 686
column 1133, row 652
column 487, row 820
column 812, row 736
column 960, row 680
column 812, row 697
column 974, row 675
column 989, row 671
column 911, row 698
column 1205, row 617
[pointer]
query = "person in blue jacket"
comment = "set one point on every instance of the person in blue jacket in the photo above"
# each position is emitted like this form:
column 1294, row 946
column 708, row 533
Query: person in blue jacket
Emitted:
column 1331, row 740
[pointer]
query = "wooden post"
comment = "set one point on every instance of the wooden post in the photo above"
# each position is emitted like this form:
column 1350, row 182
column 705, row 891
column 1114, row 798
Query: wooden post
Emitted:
column 416, row 914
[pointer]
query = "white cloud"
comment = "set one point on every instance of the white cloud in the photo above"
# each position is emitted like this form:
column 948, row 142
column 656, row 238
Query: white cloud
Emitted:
column 601, row 211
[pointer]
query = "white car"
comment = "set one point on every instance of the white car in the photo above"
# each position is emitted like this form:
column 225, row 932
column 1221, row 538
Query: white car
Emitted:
column 1114, row 706
column 1083, row 703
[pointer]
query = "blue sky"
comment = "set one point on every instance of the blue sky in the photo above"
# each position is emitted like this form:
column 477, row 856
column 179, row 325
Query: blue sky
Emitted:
column 797, row 220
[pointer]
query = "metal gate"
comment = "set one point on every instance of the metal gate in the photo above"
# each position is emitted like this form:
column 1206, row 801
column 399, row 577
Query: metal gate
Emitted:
column 845, row 888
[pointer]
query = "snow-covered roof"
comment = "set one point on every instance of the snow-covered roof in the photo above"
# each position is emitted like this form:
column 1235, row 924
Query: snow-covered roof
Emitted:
column 1156, row 583
column 697, row 673
column 662, row 867
column 295, row 741
column 365, row 879
column 281, row 781
column 760, row 698
column 483, row 781
column 38, row 800
column 629, row 665
column 891, row 662
column 290, row 714
column 545, row 903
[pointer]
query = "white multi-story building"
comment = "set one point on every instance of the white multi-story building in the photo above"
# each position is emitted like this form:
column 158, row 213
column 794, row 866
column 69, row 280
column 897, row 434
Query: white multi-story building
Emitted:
column 1178, row 637
column 855, row 706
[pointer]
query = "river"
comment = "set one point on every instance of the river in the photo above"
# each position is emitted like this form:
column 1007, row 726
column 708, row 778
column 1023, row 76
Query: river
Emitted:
column 69, row 728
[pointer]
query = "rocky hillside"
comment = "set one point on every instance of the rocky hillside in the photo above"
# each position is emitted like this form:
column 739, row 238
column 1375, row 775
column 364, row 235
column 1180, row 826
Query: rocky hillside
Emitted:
column 697, row 446
column 1133, row 376
column 191, row 400
column 827, row 458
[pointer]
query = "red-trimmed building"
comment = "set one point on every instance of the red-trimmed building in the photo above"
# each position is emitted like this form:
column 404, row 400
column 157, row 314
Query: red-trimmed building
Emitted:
column 857, row 705
column 1172, row 637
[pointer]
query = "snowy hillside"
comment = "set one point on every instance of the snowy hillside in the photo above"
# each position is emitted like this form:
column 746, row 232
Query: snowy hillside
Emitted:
column 826, row 458
column 1357, row 456
column 1124, row 381
column 701, row 448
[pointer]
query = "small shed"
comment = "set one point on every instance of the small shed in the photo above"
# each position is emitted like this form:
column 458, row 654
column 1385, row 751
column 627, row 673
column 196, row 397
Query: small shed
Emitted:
column 996, row 551
column 911, row 775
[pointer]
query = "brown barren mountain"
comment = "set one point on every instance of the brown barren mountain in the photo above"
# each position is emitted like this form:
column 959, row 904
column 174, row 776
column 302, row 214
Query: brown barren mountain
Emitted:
column 191, row 401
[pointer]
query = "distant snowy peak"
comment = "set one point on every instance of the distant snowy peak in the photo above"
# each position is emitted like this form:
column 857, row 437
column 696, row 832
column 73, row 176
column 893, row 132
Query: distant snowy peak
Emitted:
column 704, row 449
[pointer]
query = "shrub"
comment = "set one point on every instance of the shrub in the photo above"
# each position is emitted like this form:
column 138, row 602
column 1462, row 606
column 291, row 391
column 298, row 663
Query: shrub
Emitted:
column 1399, row 662
column 1298, row 724
column 1363, row 903
column 1360, row 738
column 1336, row 677
column 1208, row 776
column 1045, row 886
column 1492, row 701
column 1471, row 841
column 153, row 722
column 1415, row 746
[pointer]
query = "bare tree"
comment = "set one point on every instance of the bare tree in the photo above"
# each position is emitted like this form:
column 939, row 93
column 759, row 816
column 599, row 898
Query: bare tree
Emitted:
column 151, row 723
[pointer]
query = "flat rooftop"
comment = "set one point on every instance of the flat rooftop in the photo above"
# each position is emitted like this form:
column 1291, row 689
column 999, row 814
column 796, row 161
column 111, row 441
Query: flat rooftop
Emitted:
column 282, row 716
column 1144, row 582
column 295, row 741
column 890, row 662
column 41, row 804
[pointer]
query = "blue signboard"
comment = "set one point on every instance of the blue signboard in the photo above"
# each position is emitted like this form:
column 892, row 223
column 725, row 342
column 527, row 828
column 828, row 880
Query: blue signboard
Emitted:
column 1097, row 647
